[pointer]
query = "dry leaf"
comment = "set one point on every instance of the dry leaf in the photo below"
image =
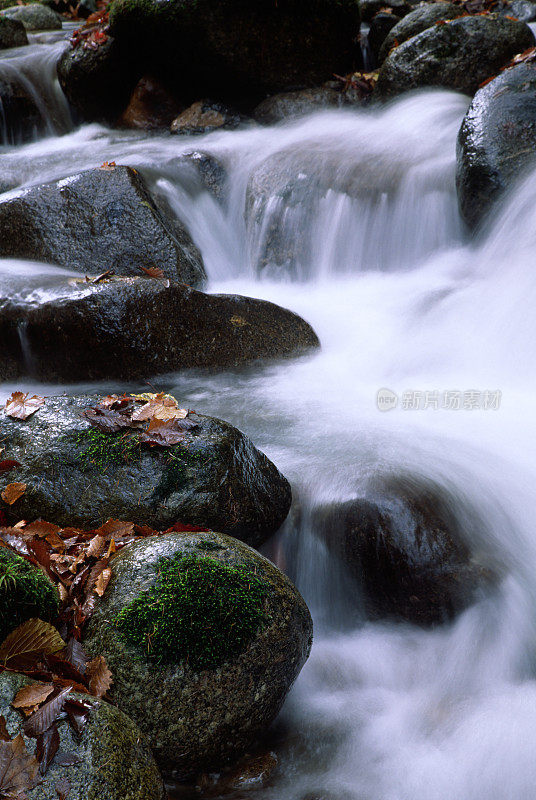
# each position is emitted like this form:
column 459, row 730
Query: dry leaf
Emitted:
column 32, row 695
column 12, row 492
column 153, row 272
column 34, row 637
column 159, row 406
column 102, row 581
column 18, row 769
column 21, row 406
column 100, row 677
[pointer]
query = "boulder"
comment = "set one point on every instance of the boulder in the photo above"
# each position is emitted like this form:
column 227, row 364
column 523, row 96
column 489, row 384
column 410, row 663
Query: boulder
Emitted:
column 407, row 545
column 112, row 760
column 209, row 674
column 98, row 83
column 238, row 51
column 99, row 220
column 22, row 120
column 34, row 17
column 459, row 54
column 497, row 140
column 380, row 26
column 290, row 105
column 424, row 16
column 369, row 8
column 523, row 10
column 77, row 475
column 205, row 169
column 12, row 33
column 138, row 327
column 206, row 116
column 25, row 592
column 151, row 107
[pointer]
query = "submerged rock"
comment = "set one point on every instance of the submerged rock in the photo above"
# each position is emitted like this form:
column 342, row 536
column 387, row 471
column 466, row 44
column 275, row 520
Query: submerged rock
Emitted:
column 77, row 475
column 34, row 17
column 238, row 50
column 424, row 16
column 12, row 33
column 497, row 140
column 135, row 327
column 407, row 545
column 99, row 220
column 25, row 592
column 112, row 761
column 459, row 54
column 204, row 690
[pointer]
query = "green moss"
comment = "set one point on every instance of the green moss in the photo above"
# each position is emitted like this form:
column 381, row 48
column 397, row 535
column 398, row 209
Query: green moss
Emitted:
column 25, row 592
column 99, row 451
column 200, row 611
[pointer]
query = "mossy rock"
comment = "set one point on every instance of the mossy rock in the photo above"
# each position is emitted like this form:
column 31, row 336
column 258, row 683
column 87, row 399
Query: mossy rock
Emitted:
column 12, row 33
column 200, row 699
column 25, row 592
column 115, row 762
column 77, row 475
column 35, row 17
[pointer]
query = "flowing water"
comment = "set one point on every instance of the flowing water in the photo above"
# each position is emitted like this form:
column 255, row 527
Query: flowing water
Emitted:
column 374, row 256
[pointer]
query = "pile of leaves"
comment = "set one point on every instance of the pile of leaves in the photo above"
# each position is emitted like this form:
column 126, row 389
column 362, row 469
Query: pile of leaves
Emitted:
column 94, row 32
column 362, row 83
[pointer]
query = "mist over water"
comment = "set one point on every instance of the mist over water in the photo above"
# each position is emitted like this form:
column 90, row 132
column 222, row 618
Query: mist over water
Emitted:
column 376, row 259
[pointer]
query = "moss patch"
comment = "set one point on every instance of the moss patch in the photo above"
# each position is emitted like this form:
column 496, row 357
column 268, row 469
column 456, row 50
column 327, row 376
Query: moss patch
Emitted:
column 25, row 592
column 99, row 451
column 200, row 611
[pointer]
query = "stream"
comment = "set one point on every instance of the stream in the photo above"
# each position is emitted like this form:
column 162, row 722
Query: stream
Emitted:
column 404, row 302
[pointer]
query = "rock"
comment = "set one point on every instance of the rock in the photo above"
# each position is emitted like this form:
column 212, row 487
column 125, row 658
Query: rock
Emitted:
column 25, row 592
column 424, row 16
column 406, row 543
column 207, row 169
column 523, row 10
column 238, row 51
column 78, row 476
column 114, row 761
column 34, row 17
column 12, row 33
column 246, row 657
column 369, row 8
column 139, row 327
column 205, row 116
column 98, row 83
column 497, row 140
column 380, row 26
column 460, row 55
column 248, row 774
column 98, row 220
column 83, row 8
column 151, row 106
column 290, row 105
column 21, row 117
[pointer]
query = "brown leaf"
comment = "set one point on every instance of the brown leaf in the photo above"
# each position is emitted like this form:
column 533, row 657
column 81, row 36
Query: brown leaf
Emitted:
column 102, row 581
column 48, row 743
column 47, row 715
column 102, row 276
column 75, row 655
column 164, row 433
column 78, row 713
column 100, row 677
column 153, row 272
column 41, row 528
column 12, row 492
column 97, row 546
column 32, row 695
column 8, row 464
column 108, row 166
column 115, row 528
column 18, row 769
column 21, row 406
column 160, row 406
column 4, row 733
column 31, row 639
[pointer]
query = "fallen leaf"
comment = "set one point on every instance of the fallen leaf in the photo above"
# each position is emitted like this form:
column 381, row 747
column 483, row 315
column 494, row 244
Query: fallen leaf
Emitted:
column 8, row 464
column 4, row 733
column 46, row 716
column 100, row 677
column 48, row 743
column 21, row 406
column 102, row 581
column 31, row 639
column 153, row 272
column 160, row 406
column 32, row 695
column 163, row 433
column 12, row 492
column 75, row 655
column 18, row 769
column 109, row 166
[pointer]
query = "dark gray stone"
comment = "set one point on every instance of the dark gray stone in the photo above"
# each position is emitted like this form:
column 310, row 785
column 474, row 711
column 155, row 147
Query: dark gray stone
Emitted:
column 215, row 479
column 205, row 116
column 369, row 8
column 380, row 27
column 198, row 720
column 424, row 16
column 12, row 33
column 98, row 220
column 460, row 55
column 35, row 17
column 290, row 105
column 406, row 544
column 497, row 140
column 115, row 762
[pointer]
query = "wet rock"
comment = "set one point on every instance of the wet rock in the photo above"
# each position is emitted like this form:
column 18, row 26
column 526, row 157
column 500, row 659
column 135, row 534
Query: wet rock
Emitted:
column 424, row 16
column 22, row 119
column 523, row 10
column 34, row 17
column 497, row 140
column 95, row 221
column 380, row 27
column 406, row 543
column 460, row 55
column 198, row 720
column 290, row 105
column 249, row 774
column 98, row 83
column 205, row 116
column 139, row 327
column 208, row 169
column 12, row 33
column 238, row 51
column 151, row 106
column 369, row 8
column 25, row 592
column 77, row 476
column 114, row 763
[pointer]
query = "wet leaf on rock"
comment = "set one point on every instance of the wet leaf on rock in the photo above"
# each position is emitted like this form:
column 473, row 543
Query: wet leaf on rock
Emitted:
column 47, row 715
column 19, row 771
column 100, row 677
column 12, row 492
column 21, row 406
column 32, row 695
column 30, row 640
